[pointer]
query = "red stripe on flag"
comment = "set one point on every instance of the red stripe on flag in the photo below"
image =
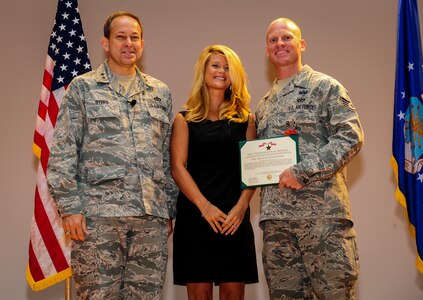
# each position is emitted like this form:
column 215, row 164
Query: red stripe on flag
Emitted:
column 47, row 80
column 53, row 109
column 39, row 141
column 36, row 272
column 42, row 110
column 45, row 153
column 48, row 235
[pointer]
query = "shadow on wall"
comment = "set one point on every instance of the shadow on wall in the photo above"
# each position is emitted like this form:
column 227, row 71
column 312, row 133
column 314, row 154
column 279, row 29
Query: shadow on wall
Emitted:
column 270, row 71
column 55, row 292
column 355, row 169
column 401, row 214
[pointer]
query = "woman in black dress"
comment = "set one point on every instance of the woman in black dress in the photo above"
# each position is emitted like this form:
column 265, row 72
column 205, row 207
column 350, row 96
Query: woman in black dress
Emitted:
column 213, row 240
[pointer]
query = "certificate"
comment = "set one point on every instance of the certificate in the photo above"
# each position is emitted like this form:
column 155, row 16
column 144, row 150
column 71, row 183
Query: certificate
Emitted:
column 263, row 160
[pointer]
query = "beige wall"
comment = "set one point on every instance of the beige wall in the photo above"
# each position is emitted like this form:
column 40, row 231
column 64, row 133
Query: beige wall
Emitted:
column 354, row 41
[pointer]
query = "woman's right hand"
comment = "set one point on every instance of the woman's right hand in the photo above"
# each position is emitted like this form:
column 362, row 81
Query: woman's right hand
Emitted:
column 215, row 217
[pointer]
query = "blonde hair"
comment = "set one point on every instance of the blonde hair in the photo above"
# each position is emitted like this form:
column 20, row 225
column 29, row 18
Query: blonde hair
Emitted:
column 235, row 107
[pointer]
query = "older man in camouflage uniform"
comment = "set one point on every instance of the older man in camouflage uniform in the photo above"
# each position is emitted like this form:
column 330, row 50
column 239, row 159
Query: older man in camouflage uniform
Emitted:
column 309, row 249
column 109, row 171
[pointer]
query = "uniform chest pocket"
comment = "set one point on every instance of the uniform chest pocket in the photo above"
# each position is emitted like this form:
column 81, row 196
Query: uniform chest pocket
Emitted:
column 272, row 124
column 103, row 121
column 261, row 127
column 306, row 120
column 159, row 118
column 156, row 126
column 158, row 114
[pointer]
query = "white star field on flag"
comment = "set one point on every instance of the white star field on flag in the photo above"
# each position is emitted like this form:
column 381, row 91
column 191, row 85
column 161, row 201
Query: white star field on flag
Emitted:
column 68, row 48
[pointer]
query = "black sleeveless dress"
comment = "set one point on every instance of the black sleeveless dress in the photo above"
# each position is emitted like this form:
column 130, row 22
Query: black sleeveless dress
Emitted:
column 200, row 254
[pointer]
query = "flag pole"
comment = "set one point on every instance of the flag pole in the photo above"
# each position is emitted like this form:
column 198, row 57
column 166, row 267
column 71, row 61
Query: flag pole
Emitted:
column 68, row 289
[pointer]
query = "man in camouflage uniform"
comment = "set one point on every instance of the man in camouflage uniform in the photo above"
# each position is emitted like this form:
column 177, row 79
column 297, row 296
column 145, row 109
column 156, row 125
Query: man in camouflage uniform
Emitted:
column 109, row 171
column 309, row 248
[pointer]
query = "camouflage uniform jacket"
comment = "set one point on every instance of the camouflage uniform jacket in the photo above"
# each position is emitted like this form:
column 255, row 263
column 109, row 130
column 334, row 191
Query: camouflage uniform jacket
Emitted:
column 110, row 158
column 329, row 135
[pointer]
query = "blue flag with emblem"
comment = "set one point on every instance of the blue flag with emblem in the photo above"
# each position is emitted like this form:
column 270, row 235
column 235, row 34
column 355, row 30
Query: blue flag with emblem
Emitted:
column 407, row 144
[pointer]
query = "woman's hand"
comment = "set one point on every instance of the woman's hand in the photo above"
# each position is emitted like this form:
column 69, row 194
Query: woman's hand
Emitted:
column 215, row 217
column 234, row 219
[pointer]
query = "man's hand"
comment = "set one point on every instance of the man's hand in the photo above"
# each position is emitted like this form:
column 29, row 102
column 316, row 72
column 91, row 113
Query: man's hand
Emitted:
column 75, row 226
column 288, row 181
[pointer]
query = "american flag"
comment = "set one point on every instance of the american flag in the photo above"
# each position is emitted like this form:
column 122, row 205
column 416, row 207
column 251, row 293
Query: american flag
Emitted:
column 67, row 57
column 407, row 142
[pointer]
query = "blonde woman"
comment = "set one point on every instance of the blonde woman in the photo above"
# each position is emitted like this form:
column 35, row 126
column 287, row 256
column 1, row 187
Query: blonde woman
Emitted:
column 213, row 237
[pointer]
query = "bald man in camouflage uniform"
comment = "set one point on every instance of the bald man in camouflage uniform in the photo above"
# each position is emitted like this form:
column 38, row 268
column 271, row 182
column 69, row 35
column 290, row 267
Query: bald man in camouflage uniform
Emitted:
column 309, row 248
column 109, row 171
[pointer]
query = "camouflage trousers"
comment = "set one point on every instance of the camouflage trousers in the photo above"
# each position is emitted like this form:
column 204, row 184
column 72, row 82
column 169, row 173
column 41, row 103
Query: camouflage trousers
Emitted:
column 310, row 259
column 122, row 258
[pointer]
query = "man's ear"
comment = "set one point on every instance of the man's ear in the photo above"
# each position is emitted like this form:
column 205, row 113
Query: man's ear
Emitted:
column 303, row 45
column 105, row 43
